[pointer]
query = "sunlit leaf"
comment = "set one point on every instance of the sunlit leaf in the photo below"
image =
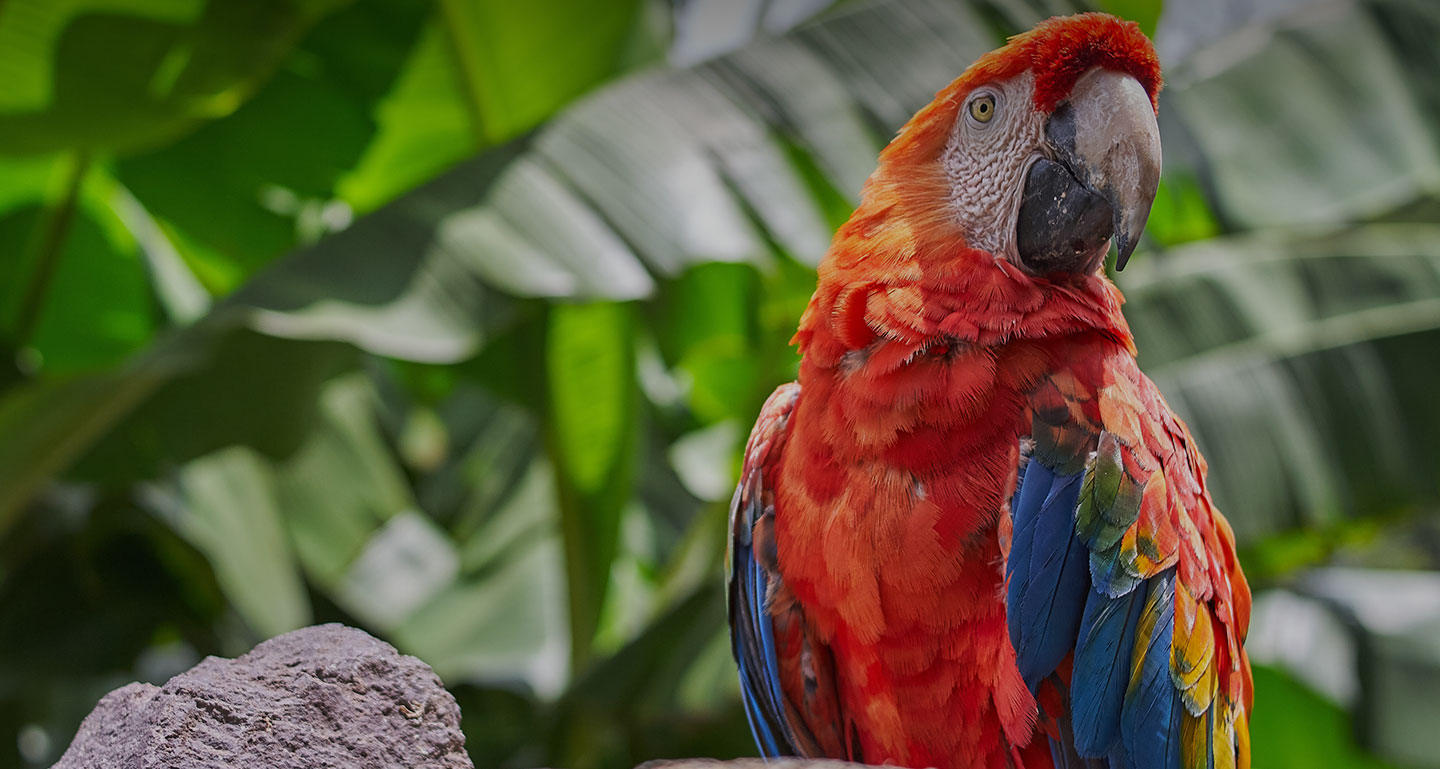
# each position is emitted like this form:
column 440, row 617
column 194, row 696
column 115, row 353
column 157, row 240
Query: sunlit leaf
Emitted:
column 1144, row 12
column 74, row 296
column 422, row 126
column 1180, row 212
column 592, row 385
column 481, row 73
column 562, row 48
column 1300, row 729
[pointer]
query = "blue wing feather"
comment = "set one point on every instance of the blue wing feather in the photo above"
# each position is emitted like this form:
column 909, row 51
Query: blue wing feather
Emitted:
column 1047, row 571
column 758, row 665
column 1029, row 494
column 767, row 624
column 766, row 632
column 759, row 727
column 1102, row 669
column 755, row 648
column 1150, row 716
column 1054, row 595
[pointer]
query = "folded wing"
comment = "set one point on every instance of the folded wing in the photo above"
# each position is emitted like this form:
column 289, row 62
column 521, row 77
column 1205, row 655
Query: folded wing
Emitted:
column 1123, row 592
column 787, row 674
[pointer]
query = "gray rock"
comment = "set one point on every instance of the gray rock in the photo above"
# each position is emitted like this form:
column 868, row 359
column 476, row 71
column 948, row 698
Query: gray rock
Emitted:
column 325, row 696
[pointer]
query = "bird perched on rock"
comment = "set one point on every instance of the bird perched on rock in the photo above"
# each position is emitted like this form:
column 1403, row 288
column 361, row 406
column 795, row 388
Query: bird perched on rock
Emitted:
column 973, row 534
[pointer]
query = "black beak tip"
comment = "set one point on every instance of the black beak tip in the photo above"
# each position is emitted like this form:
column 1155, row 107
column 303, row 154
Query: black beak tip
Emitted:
column 1124, row 248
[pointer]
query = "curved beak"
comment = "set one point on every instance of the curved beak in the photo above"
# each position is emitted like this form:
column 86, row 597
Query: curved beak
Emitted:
column 1105, row 146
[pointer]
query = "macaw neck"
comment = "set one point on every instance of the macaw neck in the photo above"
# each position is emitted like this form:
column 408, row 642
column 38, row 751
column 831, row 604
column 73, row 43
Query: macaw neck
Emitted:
column 887, row 281
column 915, row 341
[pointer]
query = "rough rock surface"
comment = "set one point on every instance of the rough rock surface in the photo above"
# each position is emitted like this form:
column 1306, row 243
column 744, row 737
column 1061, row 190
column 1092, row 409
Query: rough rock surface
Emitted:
column 324, row 696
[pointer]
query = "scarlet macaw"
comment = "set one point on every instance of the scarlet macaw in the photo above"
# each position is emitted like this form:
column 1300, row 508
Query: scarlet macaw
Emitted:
column 973, row 534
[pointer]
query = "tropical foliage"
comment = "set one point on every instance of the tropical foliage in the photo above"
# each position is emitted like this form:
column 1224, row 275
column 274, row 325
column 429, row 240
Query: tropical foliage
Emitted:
column 447, row 320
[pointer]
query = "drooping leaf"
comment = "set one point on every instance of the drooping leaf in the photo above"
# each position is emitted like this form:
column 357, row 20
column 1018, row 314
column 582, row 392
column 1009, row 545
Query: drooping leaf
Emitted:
column 590, row 364
column 1265, row 124
column 390, row 284
column 241, row 191
column 48, row 424
column 247, row 389
column 1285, row 354
column 226, row 507
column 330, row 520
column 121, row 75
column 505, row 627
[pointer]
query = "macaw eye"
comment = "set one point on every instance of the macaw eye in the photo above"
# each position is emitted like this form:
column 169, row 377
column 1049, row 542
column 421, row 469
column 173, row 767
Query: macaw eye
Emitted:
column 982, row 108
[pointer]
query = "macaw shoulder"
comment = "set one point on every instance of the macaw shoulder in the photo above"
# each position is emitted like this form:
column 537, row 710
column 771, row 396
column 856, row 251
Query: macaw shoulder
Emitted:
column 1147, row 505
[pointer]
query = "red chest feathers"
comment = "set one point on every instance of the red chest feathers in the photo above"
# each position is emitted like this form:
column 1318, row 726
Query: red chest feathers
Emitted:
column 889, row 506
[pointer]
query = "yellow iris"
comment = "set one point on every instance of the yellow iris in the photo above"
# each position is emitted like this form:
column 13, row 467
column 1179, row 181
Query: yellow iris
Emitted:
column 983, row 108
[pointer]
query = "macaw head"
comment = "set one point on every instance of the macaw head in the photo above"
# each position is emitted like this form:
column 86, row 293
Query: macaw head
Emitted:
column 1042, row 153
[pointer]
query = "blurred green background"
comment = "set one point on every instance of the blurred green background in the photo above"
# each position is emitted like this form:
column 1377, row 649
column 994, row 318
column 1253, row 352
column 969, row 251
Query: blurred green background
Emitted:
column 447, row 320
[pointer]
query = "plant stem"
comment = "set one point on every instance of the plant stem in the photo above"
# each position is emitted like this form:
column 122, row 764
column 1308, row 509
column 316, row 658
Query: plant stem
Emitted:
column 55, row 225
column 583, row 611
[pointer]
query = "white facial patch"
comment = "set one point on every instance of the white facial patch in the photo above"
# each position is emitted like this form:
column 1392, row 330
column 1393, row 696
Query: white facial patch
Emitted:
column 987, row 162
